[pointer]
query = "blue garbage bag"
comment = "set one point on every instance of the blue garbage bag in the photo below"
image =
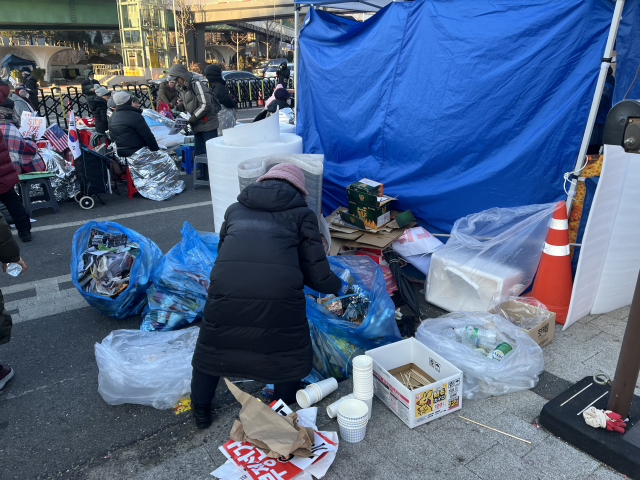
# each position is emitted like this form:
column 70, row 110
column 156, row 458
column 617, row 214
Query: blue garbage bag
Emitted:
column 180, row 282
column 337, row 341
column 133, row 299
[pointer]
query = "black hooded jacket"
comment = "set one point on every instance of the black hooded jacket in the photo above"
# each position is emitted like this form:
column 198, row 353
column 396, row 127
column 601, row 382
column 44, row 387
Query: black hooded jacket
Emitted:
column 130, row 132
column 255, row 324
column 98, row 107
column 218, row 86
column 31, row 84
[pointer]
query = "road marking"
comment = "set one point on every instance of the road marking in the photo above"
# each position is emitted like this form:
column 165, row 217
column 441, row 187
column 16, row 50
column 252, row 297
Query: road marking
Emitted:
column 21, row 287
column 118, row 217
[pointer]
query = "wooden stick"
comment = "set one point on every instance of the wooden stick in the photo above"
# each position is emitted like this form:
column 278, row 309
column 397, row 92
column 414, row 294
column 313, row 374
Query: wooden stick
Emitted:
column 503, row 433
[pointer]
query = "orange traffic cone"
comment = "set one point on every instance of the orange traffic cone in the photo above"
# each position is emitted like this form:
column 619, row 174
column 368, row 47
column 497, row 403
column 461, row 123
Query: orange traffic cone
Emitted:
column 553, row 282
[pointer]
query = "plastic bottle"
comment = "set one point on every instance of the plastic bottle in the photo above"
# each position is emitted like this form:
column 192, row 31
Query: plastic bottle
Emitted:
column 14, row 269
column 487, row 340
column 500, row 351
column 470, row 337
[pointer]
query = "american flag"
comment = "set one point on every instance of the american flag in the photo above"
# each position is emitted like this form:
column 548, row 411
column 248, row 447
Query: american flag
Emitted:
column 57, row 137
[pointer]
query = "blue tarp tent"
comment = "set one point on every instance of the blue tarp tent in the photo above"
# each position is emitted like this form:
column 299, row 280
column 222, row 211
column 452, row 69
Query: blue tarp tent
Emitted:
column 13, row 62
column 456, row 105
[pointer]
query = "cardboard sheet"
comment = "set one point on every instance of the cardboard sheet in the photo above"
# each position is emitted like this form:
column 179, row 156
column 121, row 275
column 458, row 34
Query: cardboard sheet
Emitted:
column 610, row 257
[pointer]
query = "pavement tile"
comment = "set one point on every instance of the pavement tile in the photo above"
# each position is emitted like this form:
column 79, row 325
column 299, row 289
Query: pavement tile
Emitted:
column 525, row 405
column 517, row 427
column 462, row 473
column 484, row 408
column 621, row 313
column 555, row 459
column 499, row 462
column 614, row 326
column 605, row 473
column 361, row 461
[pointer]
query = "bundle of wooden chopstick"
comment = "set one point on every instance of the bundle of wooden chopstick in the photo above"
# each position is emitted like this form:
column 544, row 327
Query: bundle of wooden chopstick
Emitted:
column 412, row 379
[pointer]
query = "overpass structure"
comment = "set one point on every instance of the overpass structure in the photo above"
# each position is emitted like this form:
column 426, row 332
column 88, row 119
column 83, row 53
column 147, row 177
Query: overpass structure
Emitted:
column 59, row 15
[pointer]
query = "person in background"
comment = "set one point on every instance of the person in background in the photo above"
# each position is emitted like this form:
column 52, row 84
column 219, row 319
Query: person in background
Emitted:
column 89, row 86
column 7, row 108
column 21, row 102
column 136, row 102
column 111, row 107
column 226, row 115
column 282, row 94
column 273, row 96
column 9, row 253
column 606, row 102
column 255, row 321
column 201, row 106
column 8, row 196
column 128, row 129
column 282, row 74
column 98, row 107
column 31, row 84
column 167, row 93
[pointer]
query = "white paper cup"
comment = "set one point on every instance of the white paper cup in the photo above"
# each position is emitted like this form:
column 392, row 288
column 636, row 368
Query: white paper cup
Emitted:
column 353, row 435
column 353, row 410
column 326, row 387
column 306, row 397
column 362, row 362
column 332, row 410
column 369, row 402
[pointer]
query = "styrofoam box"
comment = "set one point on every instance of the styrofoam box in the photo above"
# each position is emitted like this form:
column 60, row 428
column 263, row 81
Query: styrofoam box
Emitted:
column 469, row 284
column 419, row 406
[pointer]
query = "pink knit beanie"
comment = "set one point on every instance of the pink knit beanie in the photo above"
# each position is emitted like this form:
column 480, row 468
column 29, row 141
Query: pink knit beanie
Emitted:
column 289, row 172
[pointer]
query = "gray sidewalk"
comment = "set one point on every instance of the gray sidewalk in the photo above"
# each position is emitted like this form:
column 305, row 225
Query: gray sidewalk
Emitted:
column 447, row 447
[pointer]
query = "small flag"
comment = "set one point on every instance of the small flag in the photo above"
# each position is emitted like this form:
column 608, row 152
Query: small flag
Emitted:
column 74, row 142
column 56, row 137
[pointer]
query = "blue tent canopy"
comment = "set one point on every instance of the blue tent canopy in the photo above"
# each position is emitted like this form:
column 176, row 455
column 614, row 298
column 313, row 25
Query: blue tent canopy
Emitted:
column 13, row 62
column 456, row 106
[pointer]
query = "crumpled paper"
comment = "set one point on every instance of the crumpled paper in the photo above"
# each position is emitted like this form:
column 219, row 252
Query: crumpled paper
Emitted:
column 276, row 435
column 155, row 174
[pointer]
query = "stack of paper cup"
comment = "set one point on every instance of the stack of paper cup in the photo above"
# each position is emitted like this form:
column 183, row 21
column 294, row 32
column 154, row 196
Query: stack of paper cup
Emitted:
column 363, row 379
column 316, row 392
column 332, row 410
column 353, row 416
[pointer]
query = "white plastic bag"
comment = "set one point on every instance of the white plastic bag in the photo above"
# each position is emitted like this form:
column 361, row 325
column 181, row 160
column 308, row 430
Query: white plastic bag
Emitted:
column 484, row 376
column 494, row 251
column 145, row 368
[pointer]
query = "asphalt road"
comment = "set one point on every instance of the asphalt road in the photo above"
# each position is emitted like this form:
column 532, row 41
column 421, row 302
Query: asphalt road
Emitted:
column 52, row 419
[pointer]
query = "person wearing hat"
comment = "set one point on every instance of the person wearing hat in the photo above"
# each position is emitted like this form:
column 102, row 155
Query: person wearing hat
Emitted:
column 127, row 127
column 21, row 102
column 281, row 94
column 111, row 107
column 31, row 84
column 168, row 93
column 89, row 86
column 255, row 323
column 98, row 107
column 282, row 74
column 200, row 104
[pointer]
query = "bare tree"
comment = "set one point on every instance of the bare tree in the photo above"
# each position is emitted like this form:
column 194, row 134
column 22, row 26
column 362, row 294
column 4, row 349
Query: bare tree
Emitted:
column 183, row 15
column 238, row 40
column 270, row 27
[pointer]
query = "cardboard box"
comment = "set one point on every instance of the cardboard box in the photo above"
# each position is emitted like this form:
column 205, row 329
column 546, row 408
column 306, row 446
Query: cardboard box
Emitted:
column 366, row 187
column 374, row 217
column 512, row 309
column 421, row 405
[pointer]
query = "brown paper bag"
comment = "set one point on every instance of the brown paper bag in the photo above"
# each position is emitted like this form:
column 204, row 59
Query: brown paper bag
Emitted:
column 276, row 435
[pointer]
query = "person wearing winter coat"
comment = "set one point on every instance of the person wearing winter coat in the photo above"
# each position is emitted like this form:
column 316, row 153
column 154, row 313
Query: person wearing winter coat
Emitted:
column 226, row 115
column 9, row 253
column 200, row 104
column 31, row 84
column 255, row 324
column 168, row 93
column 128, row 129
column 98, row 107
column 8, row 179
column 89, row 86
column 281, row 94
column 21, row 102
column 282, row 74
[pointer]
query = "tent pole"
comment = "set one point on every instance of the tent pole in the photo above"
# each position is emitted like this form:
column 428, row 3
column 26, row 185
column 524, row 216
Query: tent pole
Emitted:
column 595, row 104
column 296, row 63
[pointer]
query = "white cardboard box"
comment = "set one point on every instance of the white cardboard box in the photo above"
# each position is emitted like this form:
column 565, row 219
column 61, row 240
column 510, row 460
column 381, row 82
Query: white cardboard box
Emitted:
column 419, row 406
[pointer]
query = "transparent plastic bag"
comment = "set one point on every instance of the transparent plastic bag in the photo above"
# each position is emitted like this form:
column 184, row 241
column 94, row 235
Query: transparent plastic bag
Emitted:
column 145, row 368
column 337, row 341
column 180, row 282
column 133, row 299
column 484, row 376
column 494, row 251
column 525, row 312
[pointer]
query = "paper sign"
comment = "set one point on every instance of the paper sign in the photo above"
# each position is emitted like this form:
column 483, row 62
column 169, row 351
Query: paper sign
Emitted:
column 32, row 127
column 256, row 463
column 416, row 241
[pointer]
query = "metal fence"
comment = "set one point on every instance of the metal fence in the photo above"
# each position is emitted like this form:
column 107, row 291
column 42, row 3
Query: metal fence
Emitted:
column 56, row 105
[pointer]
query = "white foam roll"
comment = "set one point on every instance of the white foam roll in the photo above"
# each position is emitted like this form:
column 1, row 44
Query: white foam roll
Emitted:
column 223, row 163
column 287, row 128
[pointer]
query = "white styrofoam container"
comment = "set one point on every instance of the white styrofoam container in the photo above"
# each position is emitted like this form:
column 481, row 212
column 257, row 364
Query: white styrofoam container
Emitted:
column 419, row 406
column 467, row 284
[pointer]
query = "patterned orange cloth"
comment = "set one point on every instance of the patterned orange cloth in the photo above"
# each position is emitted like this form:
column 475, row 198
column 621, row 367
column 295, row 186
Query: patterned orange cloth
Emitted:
column 593, row 169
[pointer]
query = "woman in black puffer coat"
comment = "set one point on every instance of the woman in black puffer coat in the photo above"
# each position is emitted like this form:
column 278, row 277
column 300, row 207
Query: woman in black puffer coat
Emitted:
column 255, row 324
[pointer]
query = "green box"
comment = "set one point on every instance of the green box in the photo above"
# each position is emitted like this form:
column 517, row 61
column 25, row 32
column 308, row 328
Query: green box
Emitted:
column 373, row 217
column 366, row 186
